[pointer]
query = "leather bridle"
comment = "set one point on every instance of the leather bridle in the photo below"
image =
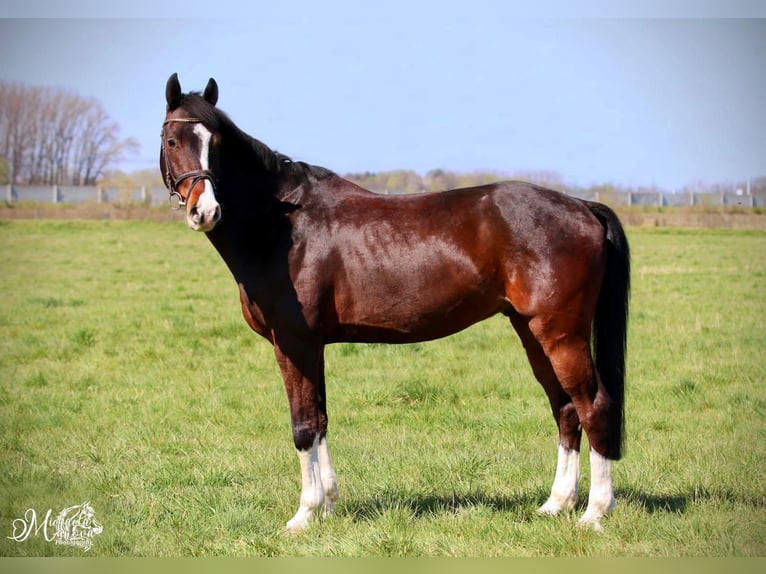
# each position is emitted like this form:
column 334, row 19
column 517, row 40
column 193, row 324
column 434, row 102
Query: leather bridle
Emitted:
column 172, row 182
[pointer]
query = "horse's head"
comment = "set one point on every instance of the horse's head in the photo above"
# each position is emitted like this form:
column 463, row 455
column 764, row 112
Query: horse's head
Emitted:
column 188, row 156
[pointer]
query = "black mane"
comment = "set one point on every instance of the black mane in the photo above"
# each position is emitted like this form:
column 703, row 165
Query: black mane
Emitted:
column 272, row 161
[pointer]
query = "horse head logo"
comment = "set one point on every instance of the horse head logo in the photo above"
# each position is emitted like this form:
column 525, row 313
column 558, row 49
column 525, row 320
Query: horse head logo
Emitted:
column 77, row 525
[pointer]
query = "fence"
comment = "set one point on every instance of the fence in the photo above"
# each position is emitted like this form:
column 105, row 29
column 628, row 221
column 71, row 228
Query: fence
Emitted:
column 84, row 194
column 158, row 196
column 680, row 199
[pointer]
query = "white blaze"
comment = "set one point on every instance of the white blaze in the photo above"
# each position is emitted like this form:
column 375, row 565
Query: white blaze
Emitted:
column 204, row 155
column 207, row 205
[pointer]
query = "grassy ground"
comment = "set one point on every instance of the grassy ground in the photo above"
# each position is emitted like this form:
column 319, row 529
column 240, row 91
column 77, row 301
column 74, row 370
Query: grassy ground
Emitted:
column 128, row 379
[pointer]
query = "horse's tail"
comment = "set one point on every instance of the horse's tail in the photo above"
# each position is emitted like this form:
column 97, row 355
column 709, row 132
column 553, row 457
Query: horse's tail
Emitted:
column 610, row 324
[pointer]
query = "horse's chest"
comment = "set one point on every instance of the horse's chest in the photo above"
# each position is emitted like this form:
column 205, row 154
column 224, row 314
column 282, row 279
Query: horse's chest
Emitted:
column 252, row 313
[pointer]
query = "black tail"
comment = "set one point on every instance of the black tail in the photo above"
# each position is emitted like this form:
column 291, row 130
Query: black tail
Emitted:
column 610, row 325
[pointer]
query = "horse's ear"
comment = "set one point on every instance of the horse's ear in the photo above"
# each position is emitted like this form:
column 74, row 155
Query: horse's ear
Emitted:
column 211, row 92
column 173, row 92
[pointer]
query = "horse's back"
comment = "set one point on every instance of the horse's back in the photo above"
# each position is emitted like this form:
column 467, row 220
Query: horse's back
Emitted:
column 405, row 268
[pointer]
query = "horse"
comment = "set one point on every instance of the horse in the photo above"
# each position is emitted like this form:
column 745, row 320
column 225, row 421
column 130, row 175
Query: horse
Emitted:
column 320, row 260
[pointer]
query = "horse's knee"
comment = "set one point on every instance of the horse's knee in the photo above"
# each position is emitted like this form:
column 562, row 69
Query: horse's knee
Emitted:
column 589, row 408
column 304, row 435
column 603, row 435
column 570, row 430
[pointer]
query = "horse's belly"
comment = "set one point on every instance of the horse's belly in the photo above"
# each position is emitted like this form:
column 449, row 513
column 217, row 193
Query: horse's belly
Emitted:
column 396, row 286
column 437, row 309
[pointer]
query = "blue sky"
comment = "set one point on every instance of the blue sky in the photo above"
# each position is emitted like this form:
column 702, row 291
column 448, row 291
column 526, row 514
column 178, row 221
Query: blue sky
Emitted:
column 359, row 86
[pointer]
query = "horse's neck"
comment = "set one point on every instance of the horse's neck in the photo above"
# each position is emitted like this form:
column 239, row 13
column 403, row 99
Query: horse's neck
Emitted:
column 251, row 245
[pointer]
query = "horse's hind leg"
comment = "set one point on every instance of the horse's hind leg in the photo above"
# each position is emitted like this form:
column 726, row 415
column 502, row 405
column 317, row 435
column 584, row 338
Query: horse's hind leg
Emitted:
column 569, row 353
column 564, row 490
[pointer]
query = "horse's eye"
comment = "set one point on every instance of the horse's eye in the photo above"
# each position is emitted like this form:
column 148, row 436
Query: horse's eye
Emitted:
column 172, row 142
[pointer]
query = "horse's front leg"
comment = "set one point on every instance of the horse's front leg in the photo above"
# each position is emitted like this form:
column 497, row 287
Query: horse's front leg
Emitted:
column 302, row 367
column 326, row 468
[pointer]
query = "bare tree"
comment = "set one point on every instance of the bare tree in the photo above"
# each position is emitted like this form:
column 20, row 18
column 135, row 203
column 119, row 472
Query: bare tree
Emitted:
column 52, row 136
column 15, row 129
column 98, row 146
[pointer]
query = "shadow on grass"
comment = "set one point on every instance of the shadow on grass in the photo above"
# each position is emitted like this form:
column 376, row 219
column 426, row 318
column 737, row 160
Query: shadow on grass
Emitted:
column 652, row 503
column 679, row 502
column 524, row 506
column 423, row 505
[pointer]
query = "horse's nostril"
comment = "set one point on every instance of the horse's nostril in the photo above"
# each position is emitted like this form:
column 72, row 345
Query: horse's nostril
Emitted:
column 200, row 217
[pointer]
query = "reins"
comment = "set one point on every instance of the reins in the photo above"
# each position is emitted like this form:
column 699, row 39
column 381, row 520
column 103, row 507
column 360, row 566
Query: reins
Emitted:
column 172, row 182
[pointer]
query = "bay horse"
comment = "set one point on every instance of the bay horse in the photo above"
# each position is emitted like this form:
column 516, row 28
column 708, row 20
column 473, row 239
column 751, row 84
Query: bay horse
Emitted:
column 320, row 260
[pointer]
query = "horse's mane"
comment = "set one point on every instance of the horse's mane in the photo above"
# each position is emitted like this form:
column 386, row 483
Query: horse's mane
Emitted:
column 272, row 161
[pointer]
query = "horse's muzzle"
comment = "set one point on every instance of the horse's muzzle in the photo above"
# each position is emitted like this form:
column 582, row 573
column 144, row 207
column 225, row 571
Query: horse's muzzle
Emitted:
column 203, row 220
column 205, row 213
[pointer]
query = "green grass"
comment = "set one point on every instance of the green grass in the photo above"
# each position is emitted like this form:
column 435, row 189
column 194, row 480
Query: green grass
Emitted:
column 129, row 379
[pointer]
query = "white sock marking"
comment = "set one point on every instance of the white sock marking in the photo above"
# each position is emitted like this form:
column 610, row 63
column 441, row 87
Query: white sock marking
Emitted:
column 564, row 490
column 312, row 494
column 601, row 496
column 329, row 479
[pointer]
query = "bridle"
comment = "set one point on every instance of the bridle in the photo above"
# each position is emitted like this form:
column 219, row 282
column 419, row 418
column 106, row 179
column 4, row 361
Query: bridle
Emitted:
column 172, row 182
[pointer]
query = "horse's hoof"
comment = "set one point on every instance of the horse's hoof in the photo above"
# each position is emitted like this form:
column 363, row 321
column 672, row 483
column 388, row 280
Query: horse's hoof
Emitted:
column 299, row 522
column 549, row 509
column 590, row 523
column 594, row 525
column 295, row 528
column 555, row 505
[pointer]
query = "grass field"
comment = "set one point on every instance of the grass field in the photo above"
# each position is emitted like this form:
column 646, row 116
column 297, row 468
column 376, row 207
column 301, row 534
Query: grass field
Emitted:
column 128, row 379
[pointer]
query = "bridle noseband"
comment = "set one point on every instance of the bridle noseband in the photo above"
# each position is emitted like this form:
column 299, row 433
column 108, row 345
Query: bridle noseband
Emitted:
column 172, row 182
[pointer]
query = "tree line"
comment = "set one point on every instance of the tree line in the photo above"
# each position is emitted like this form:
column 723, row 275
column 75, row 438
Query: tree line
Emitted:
column 408, row 181
column 53, row 136
column 50, row 136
